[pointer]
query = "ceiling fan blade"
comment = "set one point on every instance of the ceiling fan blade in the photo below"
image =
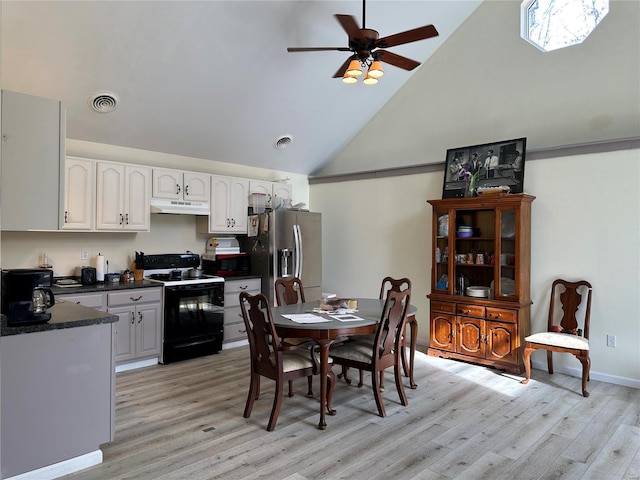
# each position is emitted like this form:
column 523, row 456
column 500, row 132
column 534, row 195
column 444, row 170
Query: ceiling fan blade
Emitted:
column 318, row 49
column 342, row 69
column 349, row 24
column 397, row 60
column 420, row 33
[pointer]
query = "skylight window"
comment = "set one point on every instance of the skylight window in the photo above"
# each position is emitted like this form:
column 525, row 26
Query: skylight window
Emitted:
column 553, row 24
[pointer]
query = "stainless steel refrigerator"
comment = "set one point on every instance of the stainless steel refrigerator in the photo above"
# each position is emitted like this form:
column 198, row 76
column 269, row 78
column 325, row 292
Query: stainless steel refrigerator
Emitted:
column 291, row 246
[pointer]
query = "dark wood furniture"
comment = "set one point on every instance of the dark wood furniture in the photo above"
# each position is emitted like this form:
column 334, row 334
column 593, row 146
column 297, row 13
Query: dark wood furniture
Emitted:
column 495, row 256
column 325, row 333
column 384, row 351
column 271, row 358
column 396, row 285
column 289, row 291
column 567, row 335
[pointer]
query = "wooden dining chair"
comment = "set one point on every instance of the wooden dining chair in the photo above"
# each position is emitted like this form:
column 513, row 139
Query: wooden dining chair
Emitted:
column 397, row 285
column 384, row 352
column 565, row 332
column 289, row 291
column 271, row 358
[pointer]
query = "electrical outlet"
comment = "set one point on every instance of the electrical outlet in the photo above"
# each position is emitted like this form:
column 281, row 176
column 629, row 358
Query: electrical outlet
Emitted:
column 84, row 254
column 611, row 340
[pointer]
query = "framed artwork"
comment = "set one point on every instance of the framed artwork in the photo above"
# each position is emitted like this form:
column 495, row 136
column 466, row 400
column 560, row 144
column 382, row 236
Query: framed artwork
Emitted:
column 497, row 165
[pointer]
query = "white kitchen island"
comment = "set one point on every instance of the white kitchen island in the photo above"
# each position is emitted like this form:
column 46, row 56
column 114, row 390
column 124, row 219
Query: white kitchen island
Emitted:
column 57, row 393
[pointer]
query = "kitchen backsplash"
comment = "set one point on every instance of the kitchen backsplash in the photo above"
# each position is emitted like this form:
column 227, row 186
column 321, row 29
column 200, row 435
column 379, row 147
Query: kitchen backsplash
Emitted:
column 169, row 234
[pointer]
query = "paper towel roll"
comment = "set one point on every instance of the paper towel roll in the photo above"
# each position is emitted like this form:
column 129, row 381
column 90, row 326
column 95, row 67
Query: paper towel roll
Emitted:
column 100, row 268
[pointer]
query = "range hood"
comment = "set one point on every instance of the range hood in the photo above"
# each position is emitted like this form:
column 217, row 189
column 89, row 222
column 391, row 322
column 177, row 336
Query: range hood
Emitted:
column 179, row 207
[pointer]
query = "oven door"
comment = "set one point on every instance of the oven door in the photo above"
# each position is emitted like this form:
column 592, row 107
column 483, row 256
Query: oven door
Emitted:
column 193, row 320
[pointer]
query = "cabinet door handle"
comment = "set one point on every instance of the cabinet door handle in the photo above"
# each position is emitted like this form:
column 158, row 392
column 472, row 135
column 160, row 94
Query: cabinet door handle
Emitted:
column 186, row 190
column 126, row 218
column 121, row 219
column 135, row 299
column 233, row 222
column 140, row 317
column 178, row 189
column 244, row 287
column 66, row 216
column 228, row 222
column 133, row 317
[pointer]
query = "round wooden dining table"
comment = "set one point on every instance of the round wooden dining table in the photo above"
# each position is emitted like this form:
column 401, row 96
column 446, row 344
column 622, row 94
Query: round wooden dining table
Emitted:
column 324, row 333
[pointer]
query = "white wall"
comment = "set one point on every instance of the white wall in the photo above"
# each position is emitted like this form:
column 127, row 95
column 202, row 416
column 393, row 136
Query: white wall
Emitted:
column 168, row 233
column 585, row 224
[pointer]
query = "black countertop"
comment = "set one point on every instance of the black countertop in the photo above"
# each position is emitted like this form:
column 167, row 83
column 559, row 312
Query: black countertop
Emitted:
column 103, row 287
column 63, row 315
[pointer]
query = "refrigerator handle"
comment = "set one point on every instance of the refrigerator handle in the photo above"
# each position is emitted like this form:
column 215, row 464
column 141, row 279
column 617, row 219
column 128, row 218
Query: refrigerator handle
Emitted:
column 298, row 251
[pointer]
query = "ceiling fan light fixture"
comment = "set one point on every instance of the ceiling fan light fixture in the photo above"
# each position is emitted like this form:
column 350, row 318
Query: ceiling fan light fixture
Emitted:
column 375, row 70
column 349, row 78
column 369, row 80
column 354, row 69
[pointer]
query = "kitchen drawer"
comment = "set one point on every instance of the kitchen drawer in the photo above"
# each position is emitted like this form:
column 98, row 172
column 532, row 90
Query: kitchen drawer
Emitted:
column 444, row 307
column 134, row 296
column 502, row 314
column 233, row 288
column 92, row 300
column 235, row 332
column 470, row 310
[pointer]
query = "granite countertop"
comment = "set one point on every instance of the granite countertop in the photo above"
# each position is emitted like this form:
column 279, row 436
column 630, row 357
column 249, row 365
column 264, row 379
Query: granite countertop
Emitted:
column 63, row 315
column 103, row 287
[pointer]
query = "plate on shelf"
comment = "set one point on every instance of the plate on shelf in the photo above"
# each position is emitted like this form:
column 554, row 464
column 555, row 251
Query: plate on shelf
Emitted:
column 479, row 292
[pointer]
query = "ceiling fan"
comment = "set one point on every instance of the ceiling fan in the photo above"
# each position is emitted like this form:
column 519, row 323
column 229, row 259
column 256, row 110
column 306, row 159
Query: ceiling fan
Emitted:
column 368, row 50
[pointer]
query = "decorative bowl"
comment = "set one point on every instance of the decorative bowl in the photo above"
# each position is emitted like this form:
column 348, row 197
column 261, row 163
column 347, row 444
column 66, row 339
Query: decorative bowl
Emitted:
column 465, row 234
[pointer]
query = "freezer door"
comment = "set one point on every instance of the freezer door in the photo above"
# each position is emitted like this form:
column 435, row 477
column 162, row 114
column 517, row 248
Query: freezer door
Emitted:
column 308, row 250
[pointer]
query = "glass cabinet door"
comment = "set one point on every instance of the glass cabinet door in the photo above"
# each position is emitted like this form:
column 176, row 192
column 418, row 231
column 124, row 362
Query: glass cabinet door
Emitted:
column 441, row 260
column 507, row 259
column 474, row 253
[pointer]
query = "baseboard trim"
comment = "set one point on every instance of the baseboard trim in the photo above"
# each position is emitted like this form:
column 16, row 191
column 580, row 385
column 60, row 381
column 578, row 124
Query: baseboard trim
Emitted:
column 139, row 364
column 61, row 469
column 238, row 343
column 601, row 377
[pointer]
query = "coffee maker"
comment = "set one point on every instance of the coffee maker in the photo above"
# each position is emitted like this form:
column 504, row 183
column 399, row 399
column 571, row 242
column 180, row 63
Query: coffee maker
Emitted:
column 26, row 295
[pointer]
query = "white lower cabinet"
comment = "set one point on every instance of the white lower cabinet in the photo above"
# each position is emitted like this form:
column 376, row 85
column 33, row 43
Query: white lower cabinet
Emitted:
column 138, row 332
column 91, row 300
column 234, row 329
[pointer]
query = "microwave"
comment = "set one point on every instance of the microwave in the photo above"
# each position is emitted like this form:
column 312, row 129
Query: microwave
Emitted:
column 228, row 265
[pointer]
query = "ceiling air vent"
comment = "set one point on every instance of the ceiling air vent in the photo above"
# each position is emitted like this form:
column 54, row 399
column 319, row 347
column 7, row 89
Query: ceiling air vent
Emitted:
column 283, row 142
column 103, row 102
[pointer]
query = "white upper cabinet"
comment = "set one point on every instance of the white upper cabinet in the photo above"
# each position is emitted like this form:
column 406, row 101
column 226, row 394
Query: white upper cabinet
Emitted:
column 31, row 176
column 122, row 197
column 79, row 198
column 228, row 204
column 275, row 192
column 180, row 185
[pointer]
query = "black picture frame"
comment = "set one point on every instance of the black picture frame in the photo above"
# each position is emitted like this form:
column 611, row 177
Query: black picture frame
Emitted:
column 505, row 170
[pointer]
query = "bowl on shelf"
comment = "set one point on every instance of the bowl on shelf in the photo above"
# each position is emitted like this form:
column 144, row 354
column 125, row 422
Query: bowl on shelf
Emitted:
column 465, row 234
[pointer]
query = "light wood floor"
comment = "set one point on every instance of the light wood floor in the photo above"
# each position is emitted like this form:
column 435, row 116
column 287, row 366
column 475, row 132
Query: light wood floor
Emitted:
column 184, row 421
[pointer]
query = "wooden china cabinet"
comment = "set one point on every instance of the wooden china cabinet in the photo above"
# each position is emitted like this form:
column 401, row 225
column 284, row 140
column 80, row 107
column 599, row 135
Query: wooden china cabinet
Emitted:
column 480, row 281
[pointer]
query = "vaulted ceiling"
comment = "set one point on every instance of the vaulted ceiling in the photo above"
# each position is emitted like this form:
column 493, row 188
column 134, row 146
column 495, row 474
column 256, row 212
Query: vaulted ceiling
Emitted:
column 213, row 79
